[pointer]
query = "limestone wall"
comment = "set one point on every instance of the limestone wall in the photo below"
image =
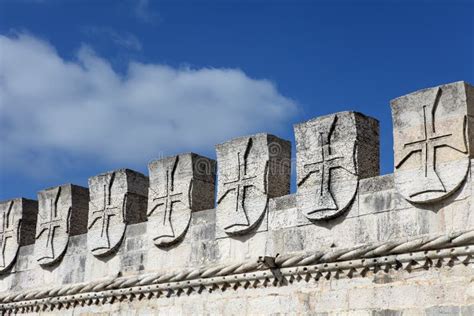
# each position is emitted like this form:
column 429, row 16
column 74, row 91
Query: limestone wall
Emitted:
column 183, row 241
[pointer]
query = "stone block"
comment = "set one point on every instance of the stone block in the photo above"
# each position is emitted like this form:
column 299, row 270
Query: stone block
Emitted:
column 203, row 226
column 25, row 259
column 442, row 310
column 170, row 258
column 239, row 248
column 381, row 201
column 204, row 217
column 17, row 228
column 62, row 212
column 77, row 245
column 387, row 312
column 132, row 261
column 102, row 266
column 203, row 232
column 135, row 230
column 204, row 253
column 432, row 131
column 332, row 153
column 73, row 268
column 117, row 198
column 251, row 170
column 282, row 212
column 376, row 184
column 179, row 185
column 467, row 310
column 23, row 280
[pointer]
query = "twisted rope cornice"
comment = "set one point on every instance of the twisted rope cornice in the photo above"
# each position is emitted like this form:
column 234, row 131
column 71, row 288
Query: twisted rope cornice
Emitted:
column 392, row 254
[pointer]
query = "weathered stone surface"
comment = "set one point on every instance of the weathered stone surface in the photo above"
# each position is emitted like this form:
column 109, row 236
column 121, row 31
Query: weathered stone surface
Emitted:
column 117, row 198
column 333, row 152
column 178, row 186
column 250, row 171
column 433, row 140
column 17, row 228
column 417, row 290
column 62, row 212
column 383, row 256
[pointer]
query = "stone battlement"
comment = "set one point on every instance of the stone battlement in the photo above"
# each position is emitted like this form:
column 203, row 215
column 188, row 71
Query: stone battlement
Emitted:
column 226, row 236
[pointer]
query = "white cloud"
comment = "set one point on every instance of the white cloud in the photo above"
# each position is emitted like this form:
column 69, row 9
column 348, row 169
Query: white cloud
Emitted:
column 83, row 108
column 144, row 13
column 123, row 39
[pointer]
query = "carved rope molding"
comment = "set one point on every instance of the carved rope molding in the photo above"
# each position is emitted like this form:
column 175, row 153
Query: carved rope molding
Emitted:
column 420, row 251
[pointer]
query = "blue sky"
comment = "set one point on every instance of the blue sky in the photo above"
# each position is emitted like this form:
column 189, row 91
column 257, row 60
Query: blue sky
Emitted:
column 91, row 86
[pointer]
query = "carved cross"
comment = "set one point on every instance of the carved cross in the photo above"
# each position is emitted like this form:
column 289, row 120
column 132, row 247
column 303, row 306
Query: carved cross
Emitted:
column 6, row 231
column 240, row 185
column 324, row 166
column 105, row 213
column 169, row 198
column 427, row 145
column 51, row 224
column 328, row 161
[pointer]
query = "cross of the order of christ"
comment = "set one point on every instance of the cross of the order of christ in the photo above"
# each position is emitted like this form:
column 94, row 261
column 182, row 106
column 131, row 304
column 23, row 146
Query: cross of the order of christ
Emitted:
column 426, row 145
column 239, row 186
column 104, row 215
column 49, row 226
column 168, row 199
column 7, row 231
column 327, row 162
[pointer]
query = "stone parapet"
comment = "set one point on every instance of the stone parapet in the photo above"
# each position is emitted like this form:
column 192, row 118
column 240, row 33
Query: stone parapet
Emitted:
column 348, row 241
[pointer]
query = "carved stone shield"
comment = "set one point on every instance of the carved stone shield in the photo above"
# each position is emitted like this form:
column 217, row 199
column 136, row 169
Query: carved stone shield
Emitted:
column 242, row 192
column 169, row 200
column 106, row 213
column 327, row 175
column 117, row 198
column 431, row 141
column 173, row 181
column 62, row 213
column 17, row 224
column 331, row 160
column 10, row 219
column 52, row 229
column 251, row 170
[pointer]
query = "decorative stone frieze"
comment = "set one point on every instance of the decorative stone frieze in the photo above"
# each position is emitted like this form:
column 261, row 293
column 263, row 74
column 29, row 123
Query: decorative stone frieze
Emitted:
column 179, row 185
column 62, row 212
column 251, row 170
column 117, row 198
column 430, row 251
column 332, row 153
column 433, row 132
column 17, row 228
